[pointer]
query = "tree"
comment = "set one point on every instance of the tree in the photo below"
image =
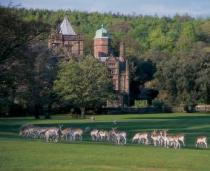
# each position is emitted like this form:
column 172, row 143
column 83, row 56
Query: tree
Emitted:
column 17, row 39
column 187, row 37
column 185, row 77
column 17, row 33
column 83, row 83
column 178, row 46
column 141, row 71
column 41, row 72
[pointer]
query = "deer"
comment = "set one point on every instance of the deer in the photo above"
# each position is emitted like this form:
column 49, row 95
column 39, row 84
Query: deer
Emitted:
column 103, row 135
column 201, row 141
column 181, row 139
column 77, row 133
column 118, row 136
column 32, row 131
column 94, row 134
column 173, row 141
column 67, row 134
column 155, row 136
column 140, row 138
column 162, row 137
column 53, row 134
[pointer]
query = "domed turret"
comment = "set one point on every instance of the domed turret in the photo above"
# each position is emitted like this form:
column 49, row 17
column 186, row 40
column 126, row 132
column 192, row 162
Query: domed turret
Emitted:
column 102, row 33
column 101, row 43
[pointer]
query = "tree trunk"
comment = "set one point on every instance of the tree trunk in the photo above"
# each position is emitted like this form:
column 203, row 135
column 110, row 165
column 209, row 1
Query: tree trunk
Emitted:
column 82, row 109
column 36, row 111
column 47, row 113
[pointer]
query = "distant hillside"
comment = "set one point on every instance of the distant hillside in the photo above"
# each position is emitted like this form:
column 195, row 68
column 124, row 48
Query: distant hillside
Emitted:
column 140, row 33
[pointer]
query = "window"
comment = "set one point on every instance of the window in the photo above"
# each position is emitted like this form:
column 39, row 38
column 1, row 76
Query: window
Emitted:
column 102, row 54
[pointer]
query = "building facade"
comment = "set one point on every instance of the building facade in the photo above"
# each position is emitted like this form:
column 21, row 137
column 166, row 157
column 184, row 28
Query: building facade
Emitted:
column 118, row 66
column 66, row 38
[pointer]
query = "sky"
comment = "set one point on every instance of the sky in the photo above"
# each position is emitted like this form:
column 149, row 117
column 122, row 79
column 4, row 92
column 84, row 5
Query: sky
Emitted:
column 195, row 8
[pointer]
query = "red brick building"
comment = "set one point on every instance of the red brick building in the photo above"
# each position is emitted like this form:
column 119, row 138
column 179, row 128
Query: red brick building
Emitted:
column 66, row 38
column 118, row 66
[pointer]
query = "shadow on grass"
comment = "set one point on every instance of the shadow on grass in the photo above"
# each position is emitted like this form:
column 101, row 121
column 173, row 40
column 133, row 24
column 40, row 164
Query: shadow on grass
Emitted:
column 170, row 117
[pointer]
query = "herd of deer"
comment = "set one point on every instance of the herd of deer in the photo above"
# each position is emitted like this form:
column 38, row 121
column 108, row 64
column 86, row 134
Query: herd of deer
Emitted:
column 157, row 138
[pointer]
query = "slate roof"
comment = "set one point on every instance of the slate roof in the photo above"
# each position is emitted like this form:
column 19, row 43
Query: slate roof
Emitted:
column 66, row 28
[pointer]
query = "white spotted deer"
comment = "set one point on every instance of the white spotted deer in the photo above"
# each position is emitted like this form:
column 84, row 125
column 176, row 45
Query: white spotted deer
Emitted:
column 201, row 142
column 119, row 137
column 141, row 138
column 103, row 135
column 181, row 139
column 94, row 134
column 173, row 141
column 77, row 133
column 155, row 136
column 67, row 134
column 53, row 134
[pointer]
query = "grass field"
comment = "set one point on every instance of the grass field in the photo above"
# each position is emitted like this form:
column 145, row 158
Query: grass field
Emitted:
column 18, row 153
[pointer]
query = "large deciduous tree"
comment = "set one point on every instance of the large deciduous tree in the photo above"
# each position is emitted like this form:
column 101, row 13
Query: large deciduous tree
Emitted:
column 186, row 77
column 16, row 58
column 83, row 83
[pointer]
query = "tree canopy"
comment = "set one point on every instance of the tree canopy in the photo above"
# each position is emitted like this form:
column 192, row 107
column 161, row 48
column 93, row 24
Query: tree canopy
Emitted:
column 185, row 77
column 19, row 58
column 167, row 54
column 85, row 84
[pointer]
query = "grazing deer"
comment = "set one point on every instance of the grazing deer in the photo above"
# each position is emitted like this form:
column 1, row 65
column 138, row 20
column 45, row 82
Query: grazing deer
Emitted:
column 155, row 136
column 53, row 134
column 103, row 135
column 25, row 127
column 202, row 142
column 119, row 137
column 141, row 138
column 181, row 139
column 27, row 131
column 43, row 130
column 67, row 133
column 136, row 138
column 173, row 141
column 164, row 139
column 77, row 133
column 94, row 134
column 32, row 132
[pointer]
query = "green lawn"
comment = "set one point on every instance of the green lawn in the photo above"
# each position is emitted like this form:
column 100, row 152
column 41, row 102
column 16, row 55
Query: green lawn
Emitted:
column 18, row 153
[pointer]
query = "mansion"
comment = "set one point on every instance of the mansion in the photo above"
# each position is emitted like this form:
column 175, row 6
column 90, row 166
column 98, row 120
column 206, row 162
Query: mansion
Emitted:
column 65, row 37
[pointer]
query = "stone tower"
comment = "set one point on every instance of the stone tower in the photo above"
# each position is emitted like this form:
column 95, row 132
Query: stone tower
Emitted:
column 65, row 38
column 101, row 43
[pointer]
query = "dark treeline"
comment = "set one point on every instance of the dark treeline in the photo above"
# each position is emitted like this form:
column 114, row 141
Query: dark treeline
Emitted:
column 168, row 55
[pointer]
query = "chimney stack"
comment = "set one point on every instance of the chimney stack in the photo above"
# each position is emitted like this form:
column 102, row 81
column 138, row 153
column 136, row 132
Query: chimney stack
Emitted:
column 122, row 49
